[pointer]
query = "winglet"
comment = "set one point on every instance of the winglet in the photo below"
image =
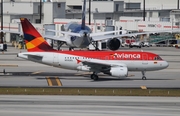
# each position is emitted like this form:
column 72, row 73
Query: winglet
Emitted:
column 34, row 41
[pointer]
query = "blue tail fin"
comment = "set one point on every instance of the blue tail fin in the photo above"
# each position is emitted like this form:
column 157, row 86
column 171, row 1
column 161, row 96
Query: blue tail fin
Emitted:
column 83, row 15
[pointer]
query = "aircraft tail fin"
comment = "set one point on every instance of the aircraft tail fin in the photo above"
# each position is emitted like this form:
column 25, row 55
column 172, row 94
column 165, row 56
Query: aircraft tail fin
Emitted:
column 83, row 15
column 33, row 39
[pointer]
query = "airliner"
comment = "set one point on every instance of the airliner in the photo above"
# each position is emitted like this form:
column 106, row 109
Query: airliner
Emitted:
column 80, row 36
column 113, row 63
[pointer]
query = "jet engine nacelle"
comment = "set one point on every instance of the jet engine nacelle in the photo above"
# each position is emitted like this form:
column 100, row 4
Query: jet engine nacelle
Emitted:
column 119, row 71
column 113, row 44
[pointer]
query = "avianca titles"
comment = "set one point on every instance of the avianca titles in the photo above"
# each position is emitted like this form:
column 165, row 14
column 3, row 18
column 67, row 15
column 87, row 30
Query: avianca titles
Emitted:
column 114, row 63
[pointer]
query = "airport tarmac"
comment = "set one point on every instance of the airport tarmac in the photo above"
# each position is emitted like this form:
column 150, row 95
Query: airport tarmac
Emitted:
column 23, row 105
column 30, row 74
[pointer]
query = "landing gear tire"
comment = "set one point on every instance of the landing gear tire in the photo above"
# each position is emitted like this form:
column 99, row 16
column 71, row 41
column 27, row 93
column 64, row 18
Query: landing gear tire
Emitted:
column 143, row 78
column 143, row 75
column 95, row 77
column 92, row 76
column 71, row 48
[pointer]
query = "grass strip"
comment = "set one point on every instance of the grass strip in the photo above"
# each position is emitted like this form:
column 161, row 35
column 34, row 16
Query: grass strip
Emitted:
column 90, row 91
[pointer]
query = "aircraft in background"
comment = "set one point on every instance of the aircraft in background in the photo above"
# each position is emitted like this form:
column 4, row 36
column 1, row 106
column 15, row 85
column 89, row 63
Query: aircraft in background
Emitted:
column 114, row 63
column 81, row 36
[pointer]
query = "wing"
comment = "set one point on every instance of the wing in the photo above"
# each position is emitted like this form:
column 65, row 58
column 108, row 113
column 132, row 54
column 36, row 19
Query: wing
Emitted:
column 106, row 32
column 104, row 37
column 62, row 38
column 32, row 57
column 64, row 32
column 101, row 65
column 91, row 34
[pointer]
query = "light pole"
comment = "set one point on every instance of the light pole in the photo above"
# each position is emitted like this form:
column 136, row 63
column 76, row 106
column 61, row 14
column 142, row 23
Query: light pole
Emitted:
column 2, row 34
column 89, row 12
column 144, row 10
column 40, row 11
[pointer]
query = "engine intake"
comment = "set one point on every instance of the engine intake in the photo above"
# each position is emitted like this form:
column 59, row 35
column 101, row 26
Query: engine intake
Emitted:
column 119, row 71
column 113, row 44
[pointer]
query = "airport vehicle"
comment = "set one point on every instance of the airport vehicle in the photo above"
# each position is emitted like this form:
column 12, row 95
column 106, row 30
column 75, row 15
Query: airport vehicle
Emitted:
column 114, row 63
column 146, row 44
column 136, row 44
column 176, row 45
column 3, row 46
column 129, row 41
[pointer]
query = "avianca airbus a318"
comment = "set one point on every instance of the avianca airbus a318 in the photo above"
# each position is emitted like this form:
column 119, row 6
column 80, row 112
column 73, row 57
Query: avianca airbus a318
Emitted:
column 114, row 63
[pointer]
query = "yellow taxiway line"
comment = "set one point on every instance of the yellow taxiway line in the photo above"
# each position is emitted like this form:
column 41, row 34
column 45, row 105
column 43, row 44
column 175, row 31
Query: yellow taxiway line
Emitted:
column 58, row 82
column 49, row 81
column 53, row 81
column 8, row 65
column 37, row 72
column 143, row 87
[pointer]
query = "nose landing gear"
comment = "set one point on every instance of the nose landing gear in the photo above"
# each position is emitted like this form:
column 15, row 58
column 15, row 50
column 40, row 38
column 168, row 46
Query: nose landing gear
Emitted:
column 143, row 75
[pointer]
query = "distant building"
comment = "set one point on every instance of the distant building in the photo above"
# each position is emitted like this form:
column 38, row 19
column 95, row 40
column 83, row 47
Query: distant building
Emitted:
column 128, row 14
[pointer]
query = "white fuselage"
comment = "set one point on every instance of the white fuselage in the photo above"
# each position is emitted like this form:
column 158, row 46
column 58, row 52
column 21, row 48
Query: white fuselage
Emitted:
column 67, row 61
column 75, row 41
column 78, row 42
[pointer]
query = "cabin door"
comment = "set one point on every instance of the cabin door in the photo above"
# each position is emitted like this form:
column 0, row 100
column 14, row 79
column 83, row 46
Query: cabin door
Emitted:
column 144, row 59
column 55, row 59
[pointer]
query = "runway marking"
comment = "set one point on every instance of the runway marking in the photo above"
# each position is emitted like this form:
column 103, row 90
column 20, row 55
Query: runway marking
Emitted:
column 143, row 87
column 49, row 81
column 8, row 65
column 37, row 72
column 58, row 81
column 53, row 81
column 131, row 75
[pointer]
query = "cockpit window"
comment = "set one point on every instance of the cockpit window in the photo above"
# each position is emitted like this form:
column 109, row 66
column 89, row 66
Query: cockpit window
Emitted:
column 157, row 58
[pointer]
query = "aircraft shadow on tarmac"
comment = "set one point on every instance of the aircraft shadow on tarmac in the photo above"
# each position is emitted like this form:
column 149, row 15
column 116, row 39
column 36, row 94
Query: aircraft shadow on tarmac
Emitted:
column 101, row 78
column 78, row 76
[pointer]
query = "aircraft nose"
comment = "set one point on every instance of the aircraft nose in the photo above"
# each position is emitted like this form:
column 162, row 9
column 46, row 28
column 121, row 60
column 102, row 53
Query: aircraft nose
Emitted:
column 165, row 64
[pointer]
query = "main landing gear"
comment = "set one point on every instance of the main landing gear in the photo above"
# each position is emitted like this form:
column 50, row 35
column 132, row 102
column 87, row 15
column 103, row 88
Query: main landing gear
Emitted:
column 94, row 76
column 143, row 75
column 95, row 44
column 71, row 49
column 59, row 44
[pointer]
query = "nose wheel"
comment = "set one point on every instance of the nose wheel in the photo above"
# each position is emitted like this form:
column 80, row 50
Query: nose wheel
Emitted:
column 143, row 77
column 94, row 77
